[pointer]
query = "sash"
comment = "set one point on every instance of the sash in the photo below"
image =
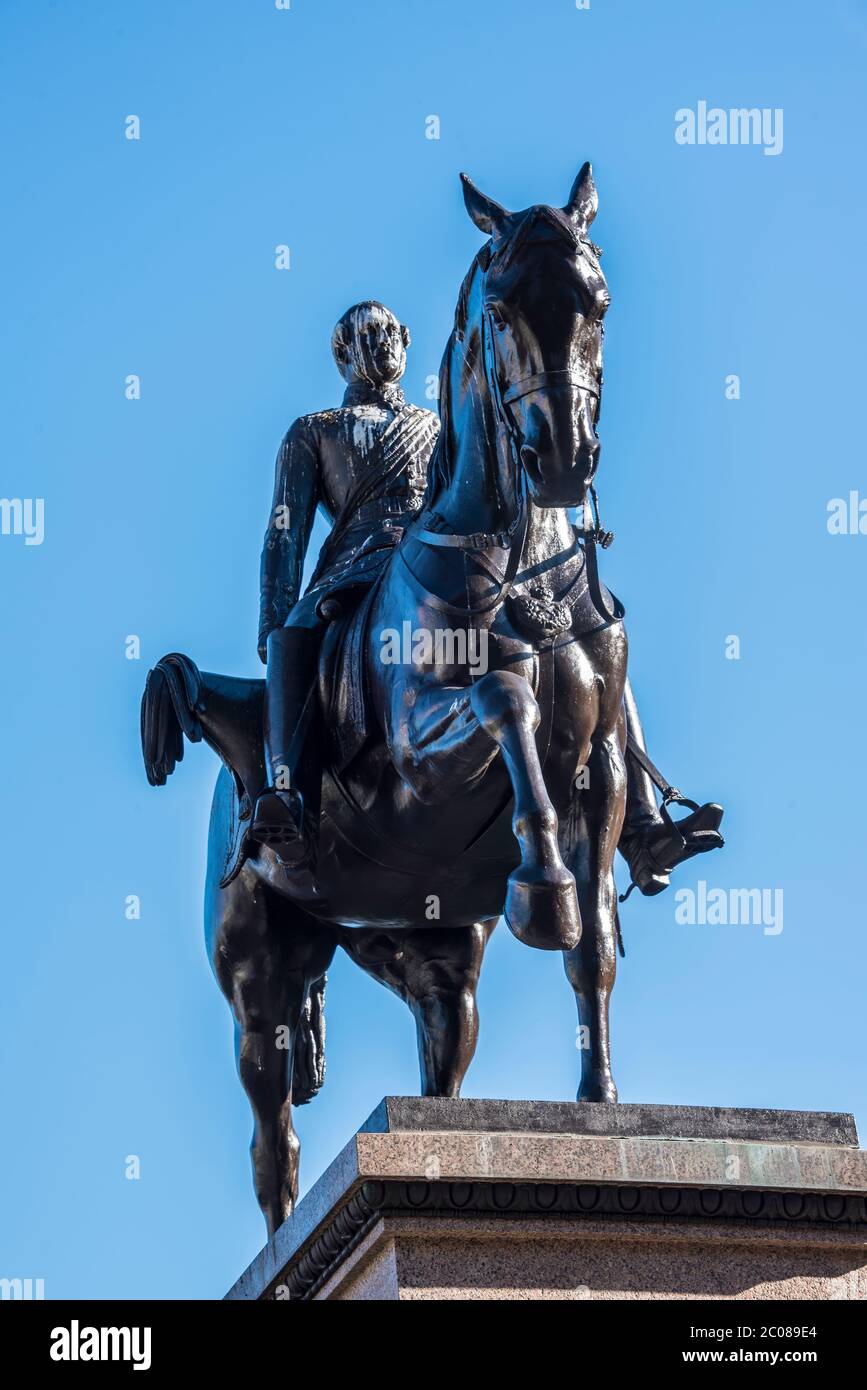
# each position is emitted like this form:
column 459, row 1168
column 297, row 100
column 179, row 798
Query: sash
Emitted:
column 390, row 456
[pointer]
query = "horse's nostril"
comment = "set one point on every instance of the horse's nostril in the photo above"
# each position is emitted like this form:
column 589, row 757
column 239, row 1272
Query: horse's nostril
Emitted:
column 587, row 457
column 529, row 456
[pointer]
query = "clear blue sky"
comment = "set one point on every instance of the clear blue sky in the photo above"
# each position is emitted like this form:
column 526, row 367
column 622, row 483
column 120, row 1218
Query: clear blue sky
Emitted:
column 155, row 257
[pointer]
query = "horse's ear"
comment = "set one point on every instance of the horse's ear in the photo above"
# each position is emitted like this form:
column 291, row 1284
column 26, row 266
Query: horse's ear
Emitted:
column 583, row 200
column 486, row 214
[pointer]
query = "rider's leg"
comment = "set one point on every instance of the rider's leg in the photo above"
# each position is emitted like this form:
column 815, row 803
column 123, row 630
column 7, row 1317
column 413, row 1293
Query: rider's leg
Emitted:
column 641, row 809
column 642, row 818
column 651, row 844
column 290, row 693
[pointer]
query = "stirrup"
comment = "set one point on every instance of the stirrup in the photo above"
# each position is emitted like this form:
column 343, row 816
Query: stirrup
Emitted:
column 699, row 830
column 278, row 821
column 661, row 847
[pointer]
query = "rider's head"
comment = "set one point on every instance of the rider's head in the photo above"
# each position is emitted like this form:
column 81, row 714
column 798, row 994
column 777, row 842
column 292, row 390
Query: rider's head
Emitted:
column 369, row 344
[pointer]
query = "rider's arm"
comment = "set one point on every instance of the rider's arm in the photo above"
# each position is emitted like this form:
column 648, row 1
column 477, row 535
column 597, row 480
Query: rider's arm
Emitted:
column 296, row 493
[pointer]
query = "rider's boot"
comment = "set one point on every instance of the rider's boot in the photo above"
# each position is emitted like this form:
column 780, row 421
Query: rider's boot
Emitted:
column 654, row 847
column 279, row 818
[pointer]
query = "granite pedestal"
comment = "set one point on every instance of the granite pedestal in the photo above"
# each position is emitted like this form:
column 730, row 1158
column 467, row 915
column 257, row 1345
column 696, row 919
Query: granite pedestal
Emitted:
column 480, row 1199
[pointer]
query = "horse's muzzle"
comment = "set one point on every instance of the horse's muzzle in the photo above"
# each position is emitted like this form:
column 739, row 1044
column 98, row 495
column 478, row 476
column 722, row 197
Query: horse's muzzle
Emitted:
column 554, row 486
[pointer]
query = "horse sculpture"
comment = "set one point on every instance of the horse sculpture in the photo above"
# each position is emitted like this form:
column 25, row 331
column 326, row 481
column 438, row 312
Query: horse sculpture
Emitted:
column 455, row 790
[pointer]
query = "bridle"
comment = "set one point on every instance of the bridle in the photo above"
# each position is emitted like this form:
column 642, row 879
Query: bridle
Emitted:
column 541, row 381
column 514, row 536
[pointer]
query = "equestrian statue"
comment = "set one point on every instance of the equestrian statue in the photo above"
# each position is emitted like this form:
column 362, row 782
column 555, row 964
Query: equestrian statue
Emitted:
column 397, row 805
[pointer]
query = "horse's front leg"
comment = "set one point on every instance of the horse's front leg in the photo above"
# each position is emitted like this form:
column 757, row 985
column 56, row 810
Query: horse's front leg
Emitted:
column 591, row 967
column 435, row 971
column 444, row 726
column 541, row 906
column 445, row 739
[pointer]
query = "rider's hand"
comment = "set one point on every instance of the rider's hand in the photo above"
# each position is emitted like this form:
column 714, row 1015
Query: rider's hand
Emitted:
column 272, row 614
column 266, row 626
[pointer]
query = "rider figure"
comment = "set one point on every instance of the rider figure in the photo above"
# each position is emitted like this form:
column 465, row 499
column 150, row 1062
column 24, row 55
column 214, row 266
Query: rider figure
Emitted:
column 365, row 463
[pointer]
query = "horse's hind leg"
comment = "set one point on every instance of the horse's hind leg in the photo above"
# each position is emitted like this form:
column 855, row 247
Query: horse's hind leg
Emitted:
column 435, row 971
column 266, row 954
column 593, row 833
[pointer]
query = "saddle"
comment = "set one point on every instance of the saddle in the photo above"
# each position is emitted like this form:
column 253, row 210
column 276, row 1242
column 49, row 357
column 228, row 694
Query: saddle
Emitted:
column 343, row 690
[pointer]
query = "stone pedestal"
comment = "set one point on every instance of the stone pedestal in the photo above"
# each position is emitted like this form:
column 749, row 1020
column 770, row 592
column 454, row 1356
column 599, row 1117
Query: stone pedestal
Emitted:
column 479, row 1199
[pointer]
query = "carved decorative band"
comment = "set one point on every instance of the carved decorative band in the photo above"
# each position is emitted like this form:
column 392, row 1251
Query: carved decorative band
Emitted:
column 557, row 1201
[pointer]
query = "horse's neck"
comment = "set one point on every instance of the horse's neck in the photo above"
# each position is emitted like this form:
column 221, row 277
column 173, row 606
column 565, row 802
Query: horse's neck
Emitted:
column 480, row 494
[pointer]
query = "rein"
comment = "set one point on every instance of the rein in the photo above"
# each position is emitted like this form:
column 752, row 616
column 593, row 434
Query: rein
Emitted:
column 604, row 538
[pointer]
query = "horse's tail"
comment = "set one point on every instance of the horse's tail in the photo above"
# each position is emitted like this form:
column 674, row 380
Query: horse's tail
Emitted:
column 168, row 711
column 309, row 1069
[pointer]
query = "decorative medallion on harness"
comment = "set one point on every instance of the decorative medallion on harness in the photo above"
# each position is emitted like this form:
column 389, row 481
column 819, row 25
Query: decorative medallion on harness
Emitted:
column 536, row 612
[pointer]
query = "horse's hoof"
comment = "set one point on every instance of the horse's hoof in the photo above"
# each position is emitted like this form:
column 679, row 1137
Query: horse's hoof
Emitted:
column 604, row 1092
column 541, row 910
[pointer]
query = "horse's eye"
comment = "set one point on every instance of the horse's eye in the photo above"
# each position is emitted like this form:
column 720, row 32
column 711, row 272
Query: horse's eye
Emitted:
column 496, row 312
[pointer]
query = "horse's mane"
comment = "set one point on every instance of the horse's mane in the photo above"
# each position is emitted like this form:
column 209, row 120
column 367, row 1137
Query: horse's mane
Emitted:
column 442, row 463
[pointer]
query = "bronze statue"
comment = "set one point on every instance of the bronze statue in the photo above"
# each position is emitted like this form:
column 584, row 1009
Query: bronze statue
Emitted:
column 403, row 804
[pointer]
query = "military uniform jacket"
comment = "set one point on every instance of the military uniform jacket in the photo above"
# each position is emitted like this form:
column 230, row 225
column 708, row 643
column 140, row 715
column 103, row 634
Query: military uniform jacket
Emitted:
column 365, row 465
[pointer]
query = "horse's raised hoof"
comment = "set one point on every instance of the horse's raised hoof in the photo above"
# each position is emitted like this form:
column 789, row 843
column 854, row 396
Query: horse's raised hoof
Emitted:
column 541, row 909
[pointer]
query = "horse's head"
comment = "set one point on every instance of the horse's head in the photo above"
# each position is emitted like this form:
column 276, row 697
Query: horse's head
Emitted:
column 544, row 299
